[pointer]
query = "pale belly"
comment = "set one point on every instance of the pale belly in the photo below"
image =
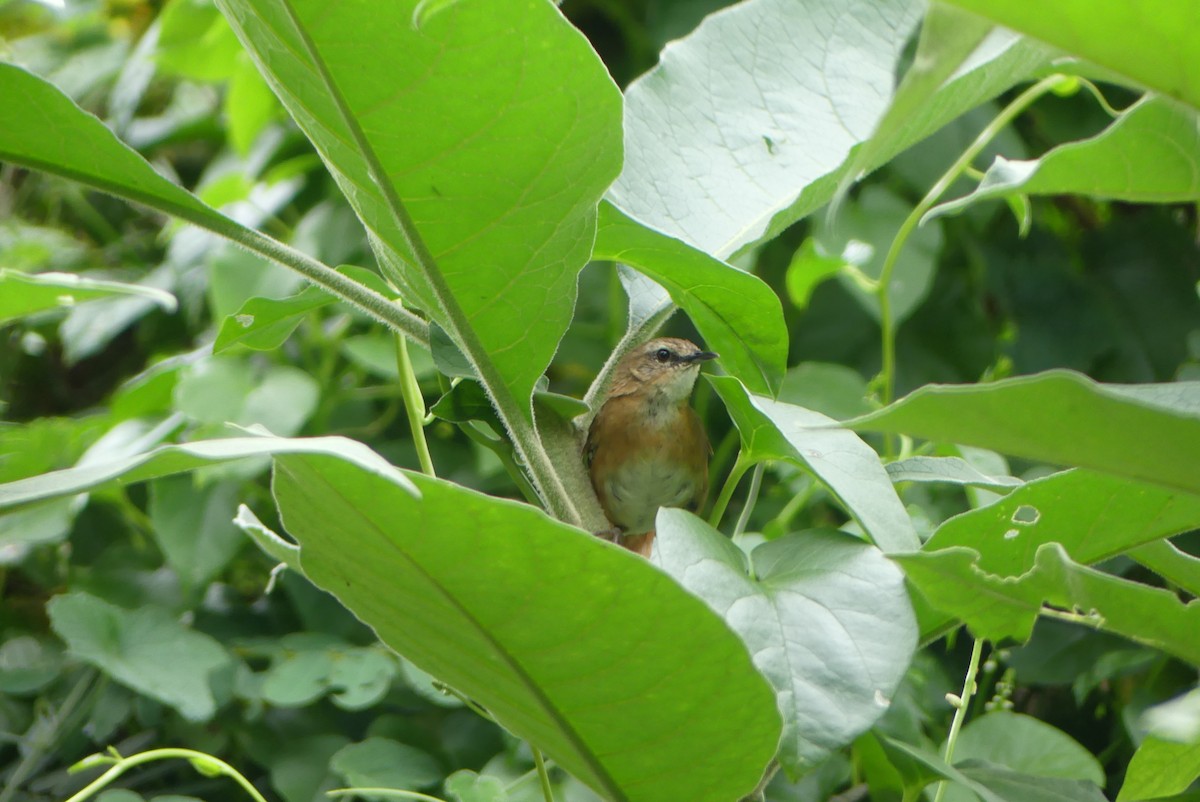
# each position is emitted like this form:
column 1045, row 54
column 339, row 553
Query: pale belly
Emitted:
column 639, row 488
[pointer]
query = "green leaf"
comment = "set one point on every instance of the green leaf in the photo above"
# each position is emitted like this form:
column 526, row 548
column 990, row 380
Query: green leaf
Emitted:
column 772, row 430
column 1150, row 42
column 736, row 313
column 1093, row 516
column 1148, row 155
column 264, row 324
column 996, row 606
column 467, row 786
column 952, row 470
column 494, row 124
column 173, row 459
column 361, row 677
column 512, row 608
column 229, row 389
column 948, row 37
column 1012, row 786
column 989, row 782
column 82, row 149
column 1023, row 743
column 1150, row 432
column 831, row 389
column 1176, row 720
column 1176, row 566
column 825, row 616
column 1160, row 768
column 24, row 294
column 28, row 664
column 384, row 763
column 146, row 650
column 749, row 123
column 299, row 677
column 193, row 527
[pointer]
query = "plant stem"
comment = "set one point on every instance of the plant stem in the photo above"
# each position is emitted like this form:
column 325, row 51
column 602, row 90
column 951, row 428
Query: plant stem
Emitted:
column 740, row 466
column 543, row 775
column 751, row 499
column 123, row 764
column 960, row 711
column 392, row 792
column 886, row 321
column 414, row 405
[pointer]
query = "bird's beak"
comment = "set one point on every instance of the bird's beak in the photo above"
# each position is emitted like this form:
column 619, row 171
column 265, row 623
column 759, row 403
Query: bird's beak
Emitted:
column 700, row 356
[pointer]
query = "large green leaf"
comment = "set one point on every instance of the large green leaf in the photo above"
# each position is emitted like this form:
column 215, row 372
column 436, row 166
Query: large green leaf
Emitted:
column 749, row 123
column 825, row 616
column 738, row 315
column 1023, row 744
column 773, row 430
column 1160, row 769
column 1146, row 432
column 24, row 294
column 81, row 149
column 146, row 650
column 1152, row 42
column 1093, row 516
column 493, row 126
column 172, row 459
column 84, row 150
column 987, row 781
column 996, row 606
column 584, row 649
column 1150, row 154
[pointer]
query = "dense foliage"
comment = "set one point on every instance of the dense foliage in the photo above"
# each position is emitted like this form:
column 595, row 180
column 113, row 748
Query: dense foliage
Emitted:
column 290, row 491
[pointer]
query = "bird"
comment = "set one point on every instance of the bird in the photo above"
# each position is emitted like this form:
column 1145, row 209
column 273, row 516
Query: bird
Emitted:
column 646, row 448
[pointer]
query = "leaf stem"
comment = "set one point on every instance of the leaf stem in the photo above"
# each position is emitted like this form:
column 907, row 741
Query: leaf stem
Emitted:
column 204, row 763
column 414, row 405
column 543, row 775
column 751, row 499
column 960, row 709
column 740, row 466
column 886, row 314
column 398, row 793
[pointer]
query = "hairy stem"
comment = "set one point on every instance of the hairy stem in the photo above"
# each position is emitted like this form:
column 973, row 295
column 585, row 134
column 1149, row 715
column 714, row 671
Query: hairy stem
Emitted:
column 960, row 709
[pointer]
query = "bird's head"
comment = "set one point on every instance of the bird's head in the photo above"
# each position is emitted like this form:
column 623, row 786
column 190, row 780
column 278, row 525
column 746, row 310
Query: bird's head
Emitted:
column 666, row 366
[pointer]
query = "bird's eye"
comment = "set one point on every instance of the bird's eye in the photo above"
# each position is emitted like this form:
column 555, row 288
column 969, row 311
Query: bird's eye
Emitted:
column 662, row 355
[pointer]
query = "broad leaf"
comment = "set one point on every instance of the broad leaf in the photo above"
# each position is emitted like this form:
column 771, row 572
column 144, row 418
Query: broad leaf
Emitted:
column 825, row 616
column 1149, row 155
column 747, row 125
column 1093, row 516
column 996, row 606
column 736, row 313
column 987, row 781
column 1150, row 42
column 1177, row 567
column 146, row 650
column 24, row 294
column 493, row 126
column 1146, row 432
column 168, row 460
column 1023, row 744
column 1160, row 769
column 543, row 625
column 772, row 430
column 952, row 470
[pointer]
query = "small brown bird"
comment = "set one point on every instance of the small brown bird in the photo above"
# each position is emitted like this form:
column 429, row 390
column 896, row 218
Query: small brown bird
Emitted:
column 646, row 448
